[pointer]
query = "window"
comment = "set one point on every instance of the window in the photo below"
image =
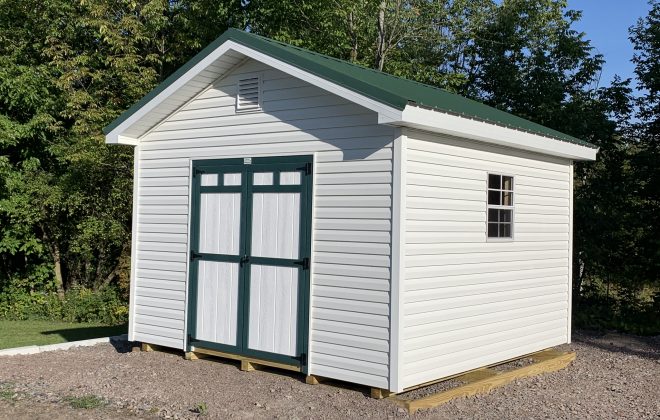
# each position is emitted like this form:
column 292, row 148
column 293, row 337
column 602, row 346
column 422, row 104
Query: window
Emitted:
column 500, row 206
column 248, row 94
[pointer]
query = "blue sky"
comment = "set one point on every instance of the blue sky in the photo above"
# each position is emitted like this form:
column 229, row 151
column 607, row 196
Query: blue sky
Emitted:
column 606, row 24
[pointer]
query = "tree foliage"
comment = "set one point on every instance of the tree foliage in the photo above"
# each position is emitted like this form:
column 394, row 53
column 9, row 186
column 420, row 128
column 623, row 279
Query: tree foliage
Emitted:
column 67, row 68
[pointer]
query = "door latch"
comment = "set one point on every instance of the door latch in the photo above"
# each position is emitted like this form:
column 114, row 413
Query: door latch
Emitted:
column 304, row 263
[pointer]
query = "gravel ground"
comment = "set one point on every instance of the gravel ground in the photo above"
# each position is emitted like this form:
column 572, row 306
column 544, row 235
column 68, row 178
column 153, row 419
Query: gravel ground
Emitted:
column 614, row 376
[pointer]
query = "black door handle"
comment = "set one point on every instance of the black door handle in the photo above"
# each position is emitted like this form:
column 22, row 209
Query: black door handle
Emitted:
column 244, row 260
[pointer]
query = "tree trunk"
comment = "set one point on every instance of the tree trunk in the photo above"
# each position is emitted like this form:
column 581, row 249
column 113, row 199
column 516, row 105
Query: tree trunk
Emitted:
column 380, row 45
column 354, row 39
column 59, row 278
column 57, row 261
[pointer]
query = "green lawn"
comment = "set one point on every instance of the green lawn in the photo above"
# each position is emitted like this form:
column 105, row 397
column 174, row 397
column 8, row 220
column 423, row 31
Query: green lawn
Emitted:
column 27, row 333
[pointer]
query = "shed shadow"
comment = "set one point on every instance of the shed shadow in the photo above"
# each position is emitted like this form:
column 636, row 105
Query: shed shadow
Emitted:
column 645, row 347
column 86, row 332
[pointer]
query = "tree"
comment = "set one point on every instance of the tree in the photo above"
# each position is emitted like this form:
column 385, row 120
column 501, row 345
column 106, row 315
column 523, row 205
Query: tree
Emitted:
column 66, row 70
column 645, row 36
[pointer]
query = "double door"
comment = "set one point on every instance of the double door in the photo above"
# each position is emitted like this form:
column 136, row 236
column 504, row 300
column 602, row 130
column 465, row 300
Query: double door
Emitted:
column 250, row 250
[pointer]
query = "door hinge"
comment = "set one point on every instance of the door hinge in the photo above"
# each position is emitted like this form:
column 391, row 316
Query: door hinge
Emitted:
column 304, row 263
column 194, row 255
column 302, row 359
column 197, row 171
column 307, row 169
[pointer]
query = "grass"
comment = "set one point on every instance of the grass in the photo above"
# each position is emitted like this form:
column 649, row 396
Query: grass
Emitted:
column 6, row 392
column 39, row 333
column 86, row 402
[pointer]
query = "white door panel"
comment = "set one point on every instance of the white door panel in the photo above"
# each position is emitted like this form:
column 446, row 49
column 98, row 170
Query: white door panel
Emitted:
column 273, row 309
column 220, row 223
column 276, row 225
column 217, row 302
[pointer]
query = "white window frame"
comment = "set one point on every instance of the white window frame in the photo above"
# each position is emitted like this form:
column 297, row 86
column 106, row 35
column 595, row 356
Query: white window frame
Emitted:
column 501, row 207
column 260, row 81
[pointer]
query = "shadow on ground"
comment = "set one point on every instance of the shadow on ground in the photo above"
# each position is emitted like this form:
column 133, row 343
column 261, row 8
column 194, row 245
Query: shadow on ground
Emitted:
column 86, row 332
column 646, row 347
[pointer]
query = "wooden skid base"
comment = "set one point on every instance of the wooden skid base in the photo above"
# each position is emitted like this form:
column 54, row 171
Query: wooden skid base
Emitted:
column 247, row 363
column 481, row 381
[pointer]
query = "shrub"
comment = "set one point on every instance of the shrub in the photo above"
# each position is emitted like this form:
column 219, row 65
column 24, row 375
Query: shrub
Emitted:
column 79, row 305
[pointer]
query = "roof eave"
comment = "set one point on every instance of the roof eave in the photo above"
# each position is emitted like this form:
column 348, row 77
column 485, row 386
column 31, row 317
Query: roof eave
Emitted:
column 115, row 132
column 460, row 126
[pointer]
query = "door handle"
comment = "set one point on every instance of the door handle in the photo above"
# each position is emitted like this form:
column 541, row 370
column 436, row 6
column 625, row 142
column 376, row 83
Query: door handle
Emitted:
column 244, row 260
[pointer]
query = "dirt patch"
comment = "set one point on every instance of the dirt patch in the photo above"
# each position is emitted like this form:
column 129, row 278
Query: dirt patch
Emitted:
column 613, row 376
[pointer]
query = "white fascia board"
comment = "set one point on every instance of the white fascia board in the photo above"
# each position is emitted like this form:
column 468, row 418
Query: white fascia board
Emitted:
column 385, row 113
column 112, row 138
column 441, row 122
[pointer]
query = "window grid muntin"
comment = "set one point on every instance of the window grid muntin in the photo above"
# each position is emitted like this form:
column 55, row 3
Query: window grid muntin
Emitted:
column 496, row 188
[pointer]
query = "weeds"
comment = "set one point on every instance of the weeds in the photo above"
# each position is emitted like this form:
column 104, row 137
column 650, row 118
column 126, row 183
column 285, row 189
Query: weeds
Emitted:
column 86, row 401
column 6, row 392
column 200, row 409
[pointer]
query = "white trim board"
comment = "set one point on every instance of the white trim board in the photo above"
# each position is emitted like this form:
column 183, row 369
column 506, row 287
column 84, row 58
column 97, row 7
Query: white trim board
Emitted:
column 440, row 122
column 398, row 246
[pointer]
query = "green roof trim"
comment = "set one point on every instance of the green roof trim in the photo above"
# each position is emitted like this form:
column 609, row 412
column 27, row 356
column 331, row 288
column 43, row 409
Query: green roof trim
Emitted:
column 390, row 90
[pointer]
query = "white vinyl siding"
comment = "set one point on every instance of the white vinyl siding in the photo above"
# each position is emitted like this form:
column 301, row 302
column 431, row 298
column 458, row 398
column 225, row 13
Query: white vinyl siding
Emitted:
column 469, row 302
column 352, row 208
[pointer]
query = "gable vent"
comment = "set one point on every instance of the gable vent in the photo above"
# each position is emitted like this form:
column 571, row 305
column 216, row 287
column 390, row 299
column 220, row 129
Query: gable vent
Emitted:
column 248, row 97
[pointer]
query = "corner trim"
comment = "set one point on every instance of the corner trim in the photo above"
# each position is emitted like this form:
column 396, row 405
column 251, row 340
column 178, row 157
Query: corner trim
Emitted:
column 569, row 320
column 134, row 241
column 398, row 246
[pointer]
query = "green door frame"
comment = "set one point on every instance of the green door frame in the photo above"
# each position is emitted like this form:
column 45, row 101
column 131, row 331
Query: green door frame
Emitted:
column 247, row 167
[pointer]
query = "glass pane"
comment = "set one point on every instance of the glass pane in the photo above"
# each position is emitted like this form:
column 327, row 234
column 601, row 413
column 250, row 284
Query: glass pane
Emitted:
column 219, row 223
column 290, row 178
column 505, row 230
column 494, row 198
column 494, row 181
column 507, row 183
column 209, row 180
column 263, row 178
column 232, row 179
column 492, row 230
column 492, row 215
column 507, row 198
column 275, row 225
column 505, row 215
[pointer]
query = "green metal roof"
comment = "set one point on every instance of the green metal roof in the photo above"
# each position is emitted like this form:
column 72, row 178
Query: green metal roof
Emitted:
column 382, row 87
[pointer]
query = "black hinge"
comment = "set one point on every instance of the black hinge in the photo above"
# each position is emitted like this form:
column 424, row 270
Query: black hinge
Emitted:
column 304, row 263
column 302, row 359
column 197, row 171
column 194, row 255
column 307, row 169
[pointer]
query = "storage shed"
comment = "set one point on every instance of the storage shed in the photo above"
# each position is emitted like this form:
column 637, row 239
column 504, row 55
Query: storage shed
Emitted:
column 299, row 209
